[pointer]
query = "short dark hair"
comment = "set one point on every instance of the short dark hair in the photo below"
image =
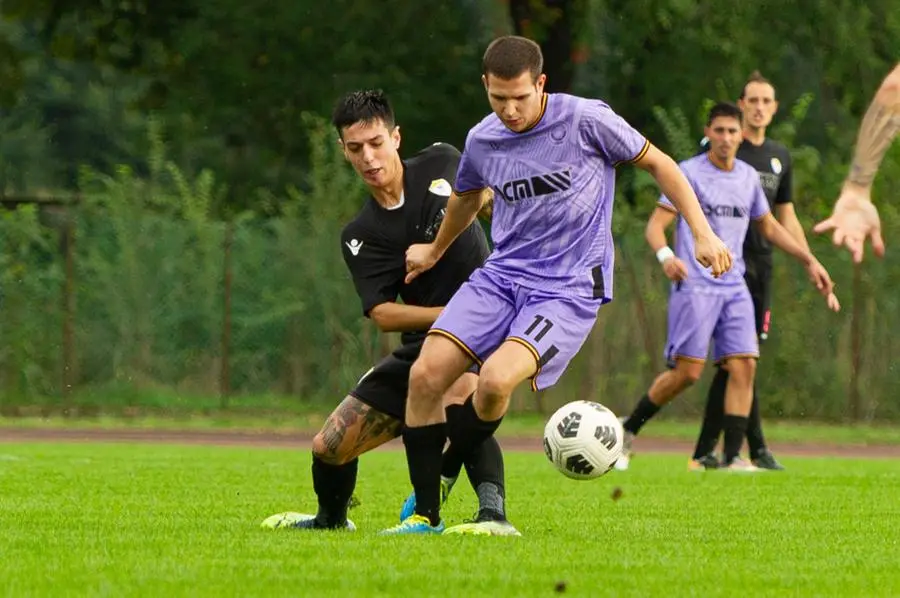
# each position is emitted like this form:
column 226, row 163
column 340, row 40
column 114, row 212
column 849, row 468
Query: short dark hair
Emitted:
column 368, row 106
column 755, row 77
column 725, row 109
column 509, row 56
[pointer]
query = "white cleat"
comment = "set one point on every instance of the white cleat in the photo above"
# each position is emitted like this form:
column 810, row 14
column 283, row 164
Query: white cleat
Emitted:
column 291, row 520
column 483, row 528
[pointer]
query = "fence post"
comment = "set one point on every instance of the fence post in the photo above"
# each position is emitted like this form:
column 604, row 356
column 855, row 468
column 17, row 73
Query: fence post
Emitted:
column 68, row 299
column 225, row 371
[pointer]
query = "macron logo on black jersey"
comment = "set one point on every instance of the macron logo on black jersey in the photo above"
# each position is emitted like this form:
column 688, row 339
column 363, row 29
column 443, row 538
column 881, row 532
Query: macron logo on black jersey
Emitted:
column 354, row 245
column 536, row 186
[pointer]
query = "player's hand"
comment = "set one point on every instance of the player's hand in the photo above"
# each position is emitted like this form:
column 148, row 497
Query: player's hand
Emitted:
column 675, row 269
column 853, row 220
column 419, row 258
column 711, row 252
column 823, row 283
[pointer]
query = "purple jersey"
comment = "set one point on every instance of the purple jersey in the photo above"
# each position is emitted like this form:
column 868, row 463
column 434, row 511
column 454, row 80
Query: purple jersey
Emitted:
column 730, row 199
column 554, row 186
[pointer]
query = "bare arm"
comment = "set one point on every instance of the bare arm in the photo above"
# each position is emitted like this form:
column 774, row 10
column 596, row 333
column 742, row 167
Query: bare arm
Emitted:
column 676, row 187
column 880, row 125
column 461, row 212
column 782, row 239
column 655, row 233
column 398, row 317
column 787, row 216
column 487, row 205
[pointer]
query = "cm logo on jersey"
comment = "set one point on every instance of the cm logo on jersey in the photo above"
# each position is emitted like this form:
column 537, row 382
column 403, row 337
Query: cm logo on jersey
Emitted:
column 535, row 186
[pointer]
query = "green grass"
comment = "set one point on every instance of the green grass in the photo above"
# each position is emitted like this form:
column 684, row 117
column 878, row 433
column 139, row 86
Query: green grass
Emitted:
column 310, row 420
column 158, row 520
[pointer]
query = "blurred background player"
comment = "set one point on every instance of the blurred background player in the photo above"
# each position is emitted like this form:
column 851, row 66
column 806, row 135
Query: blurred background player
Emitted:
column 855, row 218
column 703, row 308
column 407, row 203
column 772, row 161
column 524, row 315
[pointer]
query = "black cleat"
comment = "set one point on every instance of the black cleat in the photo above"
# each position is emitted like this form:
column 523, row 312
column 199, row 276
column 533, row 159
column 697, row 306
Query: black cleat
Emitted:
column 766, row 460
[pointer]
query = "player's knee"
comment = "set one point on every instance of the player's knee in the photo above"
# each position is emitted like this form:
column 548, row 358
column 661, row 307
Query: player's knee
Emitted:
column 328, row 454
column 742, row 370
column 426, row 380
column 688, row 375
column 495, row 385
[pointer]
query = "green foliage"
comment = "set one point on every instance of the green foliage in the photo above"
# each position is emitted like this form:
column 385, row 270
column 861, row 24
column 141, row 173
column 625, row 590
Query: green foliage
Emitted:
column 236, row 158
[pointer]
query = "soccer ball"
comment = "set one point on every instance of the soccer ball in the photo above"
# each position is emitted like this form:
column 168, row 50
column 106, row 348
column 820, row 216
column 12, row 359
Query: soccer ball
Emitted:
column 583, row 440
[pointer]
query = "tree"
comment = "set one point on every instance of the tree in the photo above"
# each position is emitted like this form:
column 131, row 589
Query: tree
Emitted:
column 558, row 26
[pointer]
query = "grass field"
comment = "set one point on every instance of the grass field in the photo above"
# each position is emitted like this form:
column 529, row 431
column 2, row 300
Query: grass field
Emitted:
column 164, row 520
column 521, row 425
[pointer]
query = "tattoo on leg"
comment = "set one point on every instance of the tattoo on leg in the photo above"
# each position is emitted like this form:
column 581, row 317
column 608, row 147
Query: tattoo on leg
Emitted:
column 341, row 419
column 377, row 425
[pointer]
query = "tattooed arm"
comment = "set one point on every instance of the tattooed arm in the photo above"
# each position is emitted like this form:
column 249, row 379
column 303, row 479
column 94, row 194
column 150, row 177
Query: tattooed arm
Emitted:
column 855, row 218
column 878, row 129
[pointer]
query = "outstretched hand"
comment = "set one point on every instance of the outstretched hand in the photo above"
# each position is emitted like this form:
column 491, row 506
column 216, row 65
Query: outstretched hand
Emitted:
column 854, row 219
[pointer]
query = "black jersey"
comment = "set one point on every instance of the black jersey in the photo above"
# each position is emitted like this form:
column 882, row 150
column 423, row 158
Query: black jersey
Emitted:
column 375, row 242
column 773, row 163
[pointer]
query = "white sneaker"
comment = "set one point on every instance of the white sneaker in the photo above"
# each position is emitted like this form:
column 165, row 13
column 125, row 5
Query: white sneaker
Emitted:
column 741, row 466
column 625, row 460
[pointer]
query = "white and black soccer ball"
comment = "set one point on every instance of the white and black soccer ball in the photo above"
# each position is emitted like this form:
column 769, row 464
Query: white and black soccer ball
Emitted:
column 583, row 439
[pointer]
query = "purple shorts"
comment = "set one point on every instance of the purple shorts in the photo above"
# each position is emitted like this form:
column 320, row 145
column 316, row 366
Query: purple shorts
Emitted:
column 488, row 310
column 695, row 319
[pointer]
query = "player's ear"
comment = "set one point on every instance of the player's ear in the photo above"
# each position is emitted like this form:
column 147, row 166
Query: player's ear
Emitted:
column 343, row 147
column 484, row 82
column 541, row 81
column 395, row 137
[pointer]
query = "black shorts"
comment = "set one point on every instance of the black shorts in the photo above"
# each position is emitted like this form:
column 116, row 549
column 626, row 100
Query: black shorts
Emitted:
column 384, row 387
column 759, row 280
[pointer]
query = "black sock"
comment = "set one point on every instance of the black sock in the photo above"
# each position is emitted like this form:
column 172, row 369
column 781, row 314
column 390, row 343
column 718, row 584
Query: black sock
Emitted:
column 712, row 415
column 756, row 442
column 454, row 456
column 471, row 431
column 735, row 429
column 423, row 456
column 334, row 486
column 485, row 470
column 643, row 411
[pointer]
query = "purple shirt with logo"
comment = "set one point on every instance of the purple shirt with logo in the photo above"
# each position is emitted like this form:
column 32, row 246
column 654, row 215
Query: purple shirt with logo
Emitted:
column 554, row 186
column 730, row 199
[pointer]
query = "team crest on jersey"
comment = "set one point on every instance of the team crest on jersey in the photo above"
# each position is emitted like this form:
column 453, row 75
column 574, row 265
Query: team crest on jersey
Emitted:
column 776, row 165
column 440, row 187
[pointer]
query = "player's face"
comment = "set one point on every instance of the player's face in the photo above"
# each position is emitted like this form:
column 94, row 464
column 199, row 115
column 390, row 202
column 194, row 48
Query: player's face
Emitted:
column 725, row 135
column 517, row 102
column 372, row 150
column 758, row 104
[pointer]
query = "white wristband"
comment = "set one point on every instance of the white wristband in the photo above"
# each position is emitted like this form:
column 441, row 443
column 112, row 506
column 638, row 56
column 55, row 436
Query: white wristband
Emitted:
column 664, row 254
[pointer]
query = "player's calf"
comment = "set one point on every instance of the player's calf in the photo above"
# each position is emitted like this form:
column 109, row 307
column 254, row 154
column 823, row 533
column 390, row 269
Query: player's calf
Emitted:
column 352, row 429
column 738, row 399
